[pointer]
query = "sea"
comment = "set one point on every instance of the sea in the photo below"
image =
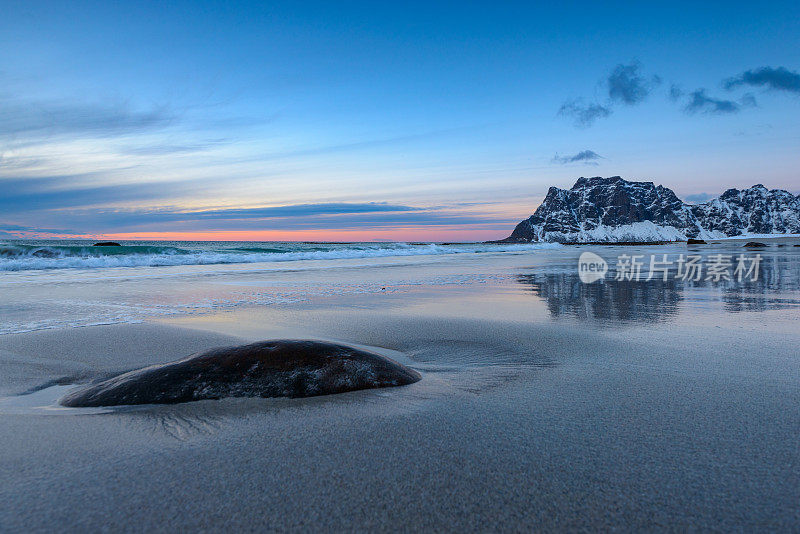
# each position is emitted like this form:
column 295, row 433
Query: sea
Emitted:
column 72, row 283
column 47, row 284
column 27, row 255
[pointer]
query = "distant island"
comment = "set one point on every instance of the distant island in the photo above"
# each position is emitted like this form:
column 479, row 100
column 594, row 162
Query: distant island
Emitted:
column 614, row 210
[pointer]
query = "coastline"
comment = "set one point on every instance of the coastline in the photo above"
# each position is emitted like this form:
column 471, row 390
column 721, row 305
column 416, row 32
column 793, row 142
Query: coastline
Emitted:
column 650, row 411
column 744, row 237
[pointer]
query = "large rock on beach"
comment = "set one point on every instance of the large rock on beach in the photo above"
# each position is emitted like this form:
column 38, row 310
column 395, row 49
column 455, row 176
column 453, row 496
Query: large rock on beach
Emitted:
column 278, row 368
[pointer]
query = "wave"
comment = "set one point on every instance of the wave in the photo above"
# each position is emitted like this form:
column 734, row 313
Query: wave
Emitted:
column 31, row 257
column 81, row 251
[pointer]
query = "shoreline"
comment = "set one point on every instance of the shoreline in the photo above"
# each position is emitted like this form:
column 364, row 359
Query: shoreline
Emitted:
column 543, row 403
column 709, row 240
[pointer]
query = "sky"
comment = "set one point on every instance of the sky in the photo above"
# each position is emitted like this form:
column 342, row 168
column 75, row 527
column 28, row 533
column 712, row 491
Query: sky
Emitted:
column 424, row 121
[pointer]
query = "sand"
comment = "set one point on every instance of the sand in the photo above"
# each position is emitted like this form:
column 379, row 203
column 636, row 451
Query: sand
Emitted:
column 525, row 419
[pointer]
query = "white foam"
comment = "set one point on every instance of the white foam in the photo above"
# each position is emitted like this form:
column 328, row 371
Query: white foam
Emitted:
column 27, row 262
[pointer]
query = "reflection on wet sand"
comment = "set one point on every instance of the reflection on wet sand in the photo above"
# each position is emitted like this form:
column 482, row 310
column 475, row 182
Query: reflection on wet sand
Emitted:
column 651, row 301
column 777, row 287
column 612, row 300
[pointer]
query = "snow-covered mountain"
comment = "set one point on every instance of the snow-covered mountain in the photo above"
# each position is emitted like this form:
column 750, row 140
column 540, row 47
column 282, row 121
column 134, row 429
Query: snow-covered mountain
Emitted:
column 756, row 210
column 614, row 210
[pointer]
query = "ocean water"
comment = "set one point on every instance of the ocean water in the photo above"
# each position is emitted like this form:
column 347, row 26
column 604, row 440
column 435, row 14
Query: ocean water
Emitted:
column 25, row 255
column 58, row 284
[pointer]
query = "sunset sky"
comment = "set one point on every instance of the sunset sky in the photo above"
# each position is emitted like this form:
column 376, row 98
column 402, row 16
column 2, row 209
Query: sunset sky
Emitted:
column 370, row 120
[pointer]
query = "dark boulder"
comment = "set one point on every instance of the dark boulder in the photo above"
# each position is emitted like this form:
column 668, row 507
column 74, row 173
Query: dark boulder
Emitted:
column 107, row 244
column 755, row 244
column 691, row 241
column 279, row 368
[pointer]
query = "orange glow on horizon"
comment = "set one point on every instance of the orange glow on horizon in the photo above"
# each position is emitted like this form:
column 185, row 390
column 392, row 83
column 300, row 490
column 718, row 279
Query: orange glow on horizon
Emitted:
column 395, row 234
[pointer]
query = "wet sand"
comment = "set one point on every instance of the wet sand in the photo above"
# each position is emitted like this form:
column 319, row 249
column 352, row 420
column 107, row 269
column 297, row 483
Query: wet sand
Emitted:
column 530, row 415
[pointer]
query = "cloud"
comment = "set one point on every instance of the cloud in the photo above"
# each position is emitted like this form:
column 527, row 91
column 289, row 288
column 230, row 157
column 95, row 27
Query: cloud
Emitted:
column 300, row 210
column 748, row 100
column 699, row 197
column 78, row 190
column 168, row 149
column 589, row 157
column 584, row 115
column 31, row 119
column 15, row 231
column 699, row 102
column 135, row 217
column 778, row 79
column 675, row 92
column 299, row 216
column 626, row 84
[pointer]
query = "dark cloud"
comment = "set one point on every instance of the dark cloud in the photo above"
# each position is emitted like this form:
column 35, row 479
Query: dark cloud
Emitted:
column 675, row 92
column 299, row 210
column 698, row 197
column 588, row 157
column 584, row 115
column 79, row 190
column 779, row 79
column 627, row 85
column 699, row 102
column 15, row 230
column 300, row 216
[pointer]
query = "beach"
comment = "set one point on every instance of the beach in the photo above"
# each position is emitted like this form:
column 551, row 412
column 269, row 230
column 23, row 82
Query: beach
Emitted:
column 545, row 403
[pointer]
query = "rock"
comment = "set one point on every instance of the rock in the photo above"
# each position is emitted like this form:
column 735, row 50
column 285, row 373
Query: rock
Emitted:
column 45, row 253
column 594, row 208
column 107, row 244
column 691, row 241
column 612, row 209
column 278, row 368
column 755, row 244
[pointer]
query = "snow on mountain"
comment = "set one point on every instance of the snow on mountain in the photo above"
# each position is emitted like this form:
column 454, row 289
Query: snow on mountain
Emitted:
column 756, row 210
column 616, row 210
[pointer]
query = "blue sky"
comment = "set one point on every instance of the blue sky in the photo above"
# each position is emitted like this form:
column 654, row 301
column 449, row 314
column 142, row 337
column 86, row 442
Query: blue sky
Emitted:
column 402, row 121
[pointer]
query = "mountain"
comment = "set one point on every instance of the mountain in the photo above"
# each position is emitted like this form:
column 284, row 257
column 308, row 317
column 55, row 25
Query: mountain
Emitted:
column 615, row 210
column 756, row 210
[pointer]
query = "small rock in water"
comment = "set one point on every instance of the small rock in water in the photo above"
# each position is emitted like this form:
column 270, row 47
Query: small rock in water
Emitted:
column 755, row 244
column 107, row 244
column 691, row 241
column 279, row 368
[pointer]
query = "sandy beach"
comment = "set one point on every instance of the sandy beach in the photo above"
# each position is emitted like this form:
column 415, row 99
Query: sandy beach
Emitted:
column 411, row 267
column 670, row 408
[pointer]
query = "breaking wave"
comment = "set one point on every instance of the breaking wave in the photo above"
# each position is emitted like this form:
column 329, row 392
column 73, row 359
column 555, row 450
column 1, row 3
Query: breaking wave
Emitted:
column 23, row 257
